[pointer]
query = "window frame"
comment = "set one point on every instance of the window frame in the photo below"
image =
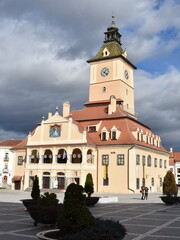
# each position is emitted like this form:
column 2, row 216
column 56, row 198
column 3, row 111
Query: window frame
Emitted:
column 105, row 159
column 120, row 159
column 20, row 160
column 137, row 159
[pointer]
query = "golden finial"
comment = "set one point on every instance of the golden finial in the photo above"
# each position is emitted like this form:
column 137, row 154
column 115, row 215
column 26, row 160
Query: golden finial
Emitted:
column 113, row 15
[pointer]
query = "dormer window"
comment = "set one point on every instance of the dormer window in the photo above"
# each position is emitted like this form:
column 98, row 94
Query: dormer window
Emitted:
column 103, row 136
column 138, row 136
column 92, row 128
column 113, row 135
column 106, row 52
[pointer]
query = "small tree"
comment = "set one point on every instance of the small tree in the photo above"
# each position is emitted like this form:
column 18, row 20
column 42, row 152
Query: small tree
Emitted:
column 35, row 193
column 89, row 185
column 169, row 184
column 74, row 216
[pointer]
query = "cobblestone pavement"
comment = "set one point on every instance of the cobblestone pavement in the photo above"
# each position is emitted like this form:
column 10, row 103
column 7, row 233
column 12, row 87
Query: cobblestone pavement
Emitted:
column 147, row 221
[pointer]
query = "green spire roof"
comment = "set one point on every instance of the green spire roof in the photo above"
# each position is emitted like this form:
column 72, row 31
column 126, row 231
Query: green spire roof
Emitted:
column 114, row 49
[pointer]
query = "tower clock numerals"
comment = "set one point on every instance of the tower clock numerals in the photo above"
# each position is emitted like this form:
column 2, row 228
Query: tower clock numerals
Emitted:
column 104, row 71
column 126, row 74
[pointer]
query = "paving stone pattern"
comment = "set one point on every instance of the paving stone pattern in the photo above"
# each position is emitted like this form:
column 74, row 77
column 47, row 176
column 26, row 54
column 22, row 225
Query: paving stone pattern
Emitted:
column 147, row 221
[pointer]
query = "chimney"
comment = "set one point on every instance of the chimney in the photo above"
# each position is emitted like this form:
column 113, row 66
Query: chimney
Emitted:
column 66, row 109
column 112, row 105
column 49, row 115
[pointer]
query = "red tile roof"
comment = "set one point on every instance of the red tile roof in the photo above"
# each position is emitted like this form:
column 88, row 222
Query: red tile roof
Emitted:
column 175, row 157
column 120, row 119
column 10, row 142
column 21, row 145
column 100, row 112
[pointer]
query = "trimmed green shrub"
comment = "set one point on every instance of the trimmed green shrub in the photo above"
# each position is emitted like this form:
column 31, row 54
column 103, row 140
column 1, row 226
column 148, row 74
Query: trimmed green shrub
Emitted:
column 89, row 185
column 74, row 216
column 35, row 193
column 102, row 229
column 48, row 199
column 169, row 184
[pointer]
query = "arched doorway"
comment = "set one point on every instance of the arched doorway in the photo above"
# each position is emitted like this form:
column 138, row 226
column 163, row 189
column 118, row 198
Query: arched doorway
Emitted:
column 76, row 156
column 46, row 180
column 60, row 180
column 62, row 156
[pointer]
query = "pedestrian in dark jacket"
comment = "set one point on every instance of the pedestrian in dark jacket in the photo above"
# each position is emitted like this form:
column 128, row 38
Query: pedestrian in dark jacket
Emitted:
column 146, row 192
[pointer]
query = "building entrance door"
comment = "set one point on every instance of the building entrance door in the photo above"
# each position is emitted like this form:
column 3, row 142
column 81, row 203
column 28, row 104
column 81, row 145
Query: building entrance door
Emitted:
column 17, row 185
column 61, row 182
column 46, row 182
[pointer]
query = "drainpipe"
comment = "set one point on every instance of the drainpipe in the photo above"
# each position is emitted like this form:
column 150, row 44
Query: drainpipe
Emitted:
column 128, row 168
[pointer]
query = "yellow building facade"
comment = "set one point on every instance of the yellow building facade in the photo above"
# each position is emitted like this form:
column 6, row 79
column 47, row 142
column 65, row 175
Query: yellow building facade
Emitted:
column 104, row 139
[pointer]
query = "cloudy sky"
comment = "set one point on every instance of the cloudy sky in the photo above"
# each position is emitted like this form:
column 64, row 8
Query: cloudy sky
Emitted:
column 44, row 45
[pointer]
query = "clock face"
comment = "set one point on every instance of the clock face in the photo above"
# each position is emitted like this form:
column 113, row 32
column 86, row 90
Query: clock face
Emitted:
column 126, row 74
column 104, row 71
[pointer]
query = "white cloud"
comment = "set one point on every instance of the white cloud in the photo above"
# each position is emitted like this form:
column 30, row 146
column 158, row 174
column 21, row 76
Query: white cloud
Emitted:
column 157, row 102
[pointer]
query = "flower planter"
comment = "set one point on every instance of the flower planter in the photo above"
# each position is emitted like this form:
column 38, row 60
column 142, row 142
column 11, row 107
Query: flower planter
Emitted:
column 29, row 202
column 45, row 214
column 102, row 229
column 170, row 199
column 91, row 201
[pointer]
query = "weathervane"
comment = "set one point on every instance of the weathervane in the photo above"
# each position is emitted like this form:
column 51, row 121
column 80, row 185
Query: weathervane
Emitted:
column 113, row 15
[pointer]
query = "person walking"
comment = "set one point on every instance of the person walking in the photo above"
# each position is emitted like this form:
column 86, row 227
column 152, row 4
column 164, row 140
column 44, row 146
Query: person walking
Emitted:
column 146, row 192
column 142, row 192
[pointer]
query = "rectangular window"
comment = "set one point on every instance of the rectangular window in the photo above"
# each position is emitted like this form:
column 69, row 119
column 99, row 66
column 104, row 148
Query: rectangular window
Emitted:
column 92, row 128
column 160, row 163
column 137, row 159
column 149, row 161
column 6, row 156
column 6, row 166
column 165, row 164
column 137, row 183
column 155, row 162
column 105, row 159
column 143, row 160
column 20, row 160
column 120, row 159
column 114, row 135
column 152, row 181
column 160, row 181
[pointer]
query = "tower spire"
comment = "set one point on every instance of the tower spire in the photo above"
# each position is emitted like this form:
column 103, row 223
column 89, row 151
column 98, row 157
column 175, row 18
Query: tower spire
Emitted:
column 112, row 33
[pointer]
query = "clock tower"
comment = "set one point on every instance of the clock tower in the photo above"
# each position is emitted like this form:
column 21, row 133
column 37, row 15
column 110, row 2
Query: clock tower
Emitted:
column 111, row 73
